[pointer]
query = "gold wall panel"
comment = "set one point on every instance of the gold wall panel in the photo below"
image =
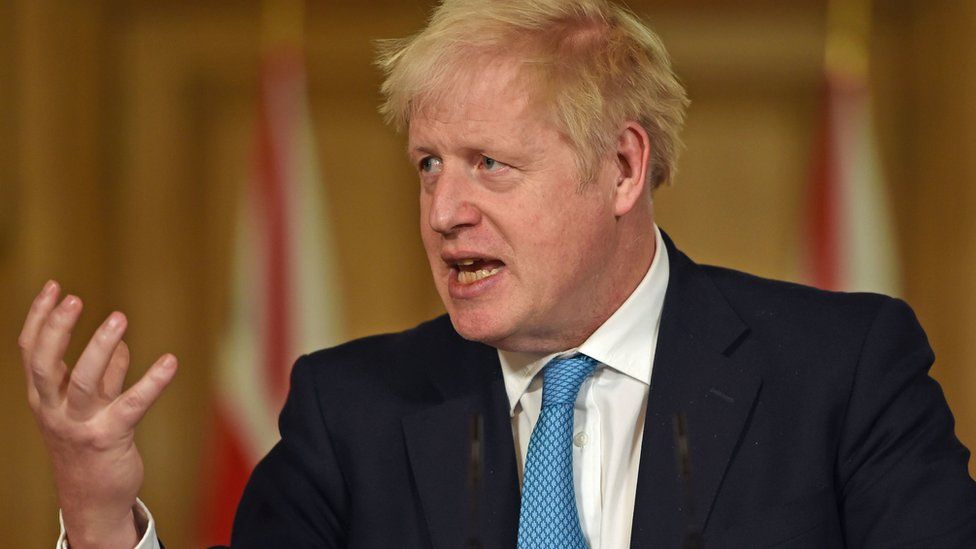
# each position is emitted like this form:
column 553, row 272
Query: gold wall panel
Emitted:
column 126, row 133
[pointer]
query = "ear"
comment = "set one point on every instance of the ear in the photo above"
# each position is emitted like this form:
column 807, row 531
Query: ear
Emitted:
column 633, row 152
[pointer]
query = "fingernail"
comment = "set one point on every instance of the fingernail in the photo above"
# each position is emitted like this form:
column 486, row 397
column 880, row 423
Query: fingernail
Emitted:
column 114, row 321
column 49, row 287
column 71, row 302
column 169, row 362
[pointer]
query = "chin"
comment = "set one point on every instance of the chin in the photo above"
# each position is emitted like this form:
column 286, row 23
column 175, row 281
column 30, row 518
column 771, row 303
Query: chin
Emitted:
column 478, row 326
column 500, row 333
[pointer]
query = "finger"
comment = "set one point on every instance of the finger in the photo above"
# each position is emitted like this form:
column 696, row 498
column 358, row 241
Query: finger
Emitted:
column 47, row 367
column 39, row 310
column 114, row 377
column 133, row 404
column 84, row 386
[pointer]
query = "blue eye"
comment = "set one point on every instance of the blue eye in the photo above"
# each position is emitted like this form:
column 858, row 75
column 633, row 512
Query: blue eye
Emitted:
column 430, row 164
column 490, row 163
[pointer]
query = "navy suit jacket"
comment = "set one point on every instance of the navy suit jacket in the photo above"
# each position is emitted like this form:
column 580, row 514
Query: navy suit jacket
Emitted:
column 811, row 422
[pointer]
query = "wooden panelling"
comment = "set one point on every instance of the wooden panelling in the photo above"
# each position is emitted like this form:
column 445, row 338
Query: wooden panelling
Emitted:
column 128, row 126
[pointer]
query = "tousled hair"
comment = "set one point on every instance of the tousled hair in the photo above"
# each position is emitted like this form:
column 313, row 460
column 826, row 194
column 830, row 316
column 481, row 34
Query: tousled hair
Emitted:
column 592, row 64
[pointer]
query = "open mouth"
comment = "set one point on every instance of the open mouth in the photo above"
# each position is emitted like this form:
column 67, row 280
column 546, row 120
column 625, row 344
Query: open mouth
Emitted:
column 471, row 270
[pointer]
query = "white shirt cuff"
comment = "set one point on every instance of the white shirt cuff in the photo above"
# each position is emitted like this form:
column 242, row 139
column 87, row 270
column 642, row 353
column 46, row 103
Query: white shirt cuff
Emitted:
column 144, row 522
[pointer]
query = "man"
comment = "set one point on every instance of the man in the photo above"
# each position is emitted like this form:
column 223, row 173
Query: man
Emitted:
column 578, row 336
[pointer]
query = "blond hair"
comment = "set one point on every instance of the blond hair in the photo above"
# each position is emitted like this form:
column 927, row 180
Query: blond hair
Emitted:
column 592, row 63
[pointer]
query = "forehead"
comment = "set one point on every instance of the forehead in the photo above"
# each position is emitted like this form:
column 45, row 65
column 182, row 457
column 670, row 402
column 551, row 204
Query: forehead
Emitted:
column 485, row 95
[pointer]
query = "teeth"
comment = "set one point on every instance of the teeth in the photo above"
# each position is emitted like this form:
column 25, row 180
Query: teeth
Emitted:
column 470, row 277
column 466, row 262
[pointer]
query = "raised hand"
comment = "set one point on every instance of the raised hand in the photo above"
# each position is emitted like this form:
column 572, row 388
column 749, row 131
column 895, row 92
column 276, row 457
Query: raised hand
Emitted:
column 87, row 421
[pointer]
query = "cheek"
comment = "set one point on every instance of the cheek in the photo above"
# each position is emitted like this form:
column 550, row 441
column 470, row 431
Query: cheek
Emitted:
column 548, row 243
column 431, row 243
column 432, row 248
column 574, row 239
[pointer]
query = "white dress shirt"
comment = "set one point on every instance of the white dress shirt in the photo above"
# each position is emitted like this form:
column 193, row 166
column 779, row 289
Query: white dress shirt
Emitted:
column 144, row 520
column 608, row 419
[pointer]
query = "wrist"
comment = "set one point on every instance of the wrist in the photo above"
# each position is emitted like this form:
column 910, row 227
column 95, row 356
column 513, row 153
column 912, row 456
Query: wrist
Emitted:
column 84, row 530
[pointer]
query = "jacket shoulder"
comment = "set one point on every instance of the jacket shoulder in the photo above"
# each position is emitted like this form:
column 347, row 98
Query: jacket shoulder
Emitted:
column 389, row 358
column 397, row 367
column 764, row 302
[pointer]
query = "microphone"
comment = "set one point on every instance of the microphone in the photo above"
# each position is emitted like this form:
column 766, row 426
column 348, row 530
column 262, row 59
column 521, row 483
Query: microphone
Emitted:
column 476, row 431
column 693, row 538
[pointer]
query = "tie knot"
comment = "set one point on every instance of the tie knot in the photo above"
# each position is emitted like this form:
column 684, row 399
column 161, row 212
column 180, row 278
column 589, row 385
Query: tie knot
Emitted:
column 563, row 376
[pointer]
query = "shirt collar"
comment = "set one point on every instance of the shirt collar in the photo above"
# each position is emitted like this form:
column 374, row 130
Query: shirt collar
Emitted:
column 625, row 342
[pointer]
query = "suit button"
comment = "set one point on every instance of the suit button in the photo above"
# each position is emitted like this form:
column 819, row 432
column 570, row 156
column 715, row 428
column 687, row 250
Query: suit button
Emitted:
column 580, row 440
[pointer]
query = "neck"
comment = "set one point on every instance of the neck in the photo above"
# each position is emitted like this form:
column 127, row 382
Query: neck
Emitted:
column 634, row 256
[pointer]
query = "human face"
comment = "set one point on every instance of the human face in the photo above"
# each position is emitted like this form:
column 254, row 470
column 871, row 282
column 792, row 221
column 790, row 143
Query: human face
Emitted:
column 520, row 252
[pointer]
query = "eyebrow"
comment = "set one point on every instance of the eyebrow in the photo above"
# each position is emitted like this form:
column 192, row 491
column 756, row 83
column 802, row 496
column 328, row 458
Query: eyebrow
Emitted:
column 421, row 149
column 424, row 150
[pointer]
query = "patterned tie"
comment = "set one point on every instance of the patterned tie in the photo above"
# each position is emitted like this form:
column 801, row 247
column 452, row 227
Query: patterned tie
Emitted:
column 548, row 518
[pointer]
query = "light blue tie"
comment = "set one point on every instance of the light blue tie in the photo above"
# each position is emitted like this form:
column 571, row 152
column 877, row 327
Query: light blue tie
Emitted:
column 548, row 518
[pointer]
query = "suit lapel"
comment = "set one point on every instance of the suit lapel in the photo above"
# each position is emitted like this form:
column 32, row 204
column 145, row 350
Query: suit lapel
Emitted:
column 439, row 447
column 697, row 374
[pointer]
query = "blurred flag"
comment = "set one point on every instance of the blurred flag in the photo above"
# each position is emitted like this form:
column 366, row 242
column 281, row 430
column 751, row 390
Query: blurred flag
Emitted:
column 851, row 242
column 284, row 299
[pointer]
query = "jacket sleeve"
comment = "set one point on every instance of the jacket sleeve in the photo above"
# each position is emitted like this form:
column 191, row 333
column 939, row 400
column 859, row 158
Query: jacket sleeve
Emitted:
column 296, row 496
column 903, row 478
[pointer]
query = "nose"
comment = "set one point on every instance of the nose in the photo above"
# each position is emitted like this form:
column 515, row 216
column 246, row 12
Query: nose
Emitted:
column 451, row 207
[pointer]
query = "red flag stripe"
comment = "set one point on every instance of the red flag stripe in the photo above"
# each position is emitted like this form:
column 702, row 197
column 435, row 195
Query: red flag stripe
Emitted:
column 276, row 121
column 223, row 481
column 823, row 214
column 252, row 388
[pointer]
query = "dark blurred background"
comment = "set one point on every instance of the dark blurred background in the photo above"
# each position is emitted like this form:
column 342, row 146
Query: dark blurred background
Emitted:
column 126, row 130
